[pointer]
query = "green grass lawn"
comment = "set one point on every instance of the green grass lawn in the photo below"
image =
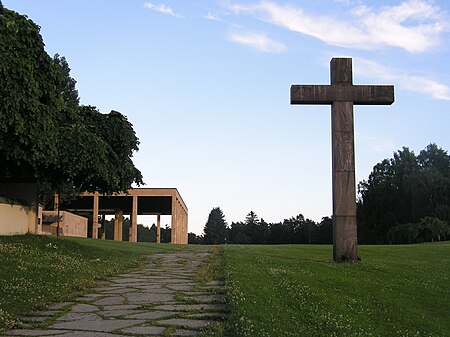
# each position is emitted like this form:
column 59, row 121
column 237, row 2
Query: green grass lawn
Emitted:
column 272, row 290
column 36, row 270
column 296, row 290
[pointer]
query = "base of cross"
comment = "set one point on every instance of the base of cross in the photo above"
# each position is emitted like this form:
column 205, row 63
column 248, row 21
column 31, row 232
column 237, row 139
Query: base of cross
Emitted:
column 345, row 244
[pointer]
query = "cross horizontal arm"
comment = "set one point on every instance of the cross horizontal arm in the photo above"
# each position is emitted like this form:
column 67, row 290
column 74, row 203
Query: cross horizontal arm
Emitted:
column 327, row 94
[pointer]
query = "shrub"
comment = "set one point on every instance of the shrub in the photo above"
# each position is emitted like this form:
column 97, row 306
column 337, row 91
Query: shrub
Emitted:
column 429, row 229
column 434, row 229
column 406, row 233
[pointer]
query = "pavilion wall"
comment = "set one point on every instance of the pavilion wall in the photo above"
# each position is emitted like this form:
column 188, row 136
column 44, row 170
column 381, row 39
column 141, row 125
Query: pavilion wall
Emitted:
column 18, row 208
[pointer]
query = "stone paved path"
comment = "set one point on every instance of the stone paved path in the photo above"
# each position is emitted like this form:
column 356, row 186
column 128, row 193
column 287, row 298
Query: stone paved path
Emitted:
column 162, row 299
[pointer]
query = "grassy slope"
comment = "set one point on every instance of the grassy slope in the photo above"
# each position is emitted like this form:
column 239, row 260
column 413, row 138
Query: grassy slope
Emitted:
column 274, row 290
column 36, row 270
column 299, row 291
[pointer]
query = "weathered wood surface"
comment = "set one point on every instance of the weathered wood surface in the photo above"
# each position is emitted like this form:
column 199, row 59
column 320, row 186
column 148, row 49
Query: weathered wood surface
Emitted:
column 327, row 94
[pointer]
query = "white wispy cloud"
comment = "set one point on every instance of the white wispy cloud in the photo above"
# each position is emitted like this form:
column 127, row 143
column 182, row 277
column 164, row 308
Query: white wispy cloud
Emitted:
column 161, row 8
column 257, row 41
column 414, row 25
column 348, row 2
column 414, row 83
column 212, row 17
column 218, row 18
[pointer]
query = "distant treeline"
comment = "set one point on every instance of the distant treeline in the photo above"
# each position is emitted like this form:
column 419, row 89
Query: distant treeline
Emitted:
column 406, row 199
column 256, row 231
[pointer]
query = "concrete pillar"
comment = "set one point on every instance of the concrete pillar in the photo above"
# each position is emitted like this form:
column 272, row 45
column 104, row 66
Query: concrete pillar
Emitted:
column 186, row 227
column 95, row 217
column 103, row 227
column 55, row 202
column 158, row 229
column 173, row 238
column 120, row 225
column 182, row 241
column 133, row 229
column 116, row 225
column 180, row 223
column 183, row 228
column 177, row 224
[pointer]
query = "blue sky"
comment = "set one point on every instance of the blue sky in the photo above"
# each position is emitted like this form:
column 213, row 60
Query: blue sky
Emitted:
column 206, row 85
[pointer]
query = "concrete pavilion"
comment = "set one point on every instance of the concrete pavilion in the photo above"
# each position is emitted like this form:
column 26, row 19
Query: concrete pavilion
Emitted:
column 137, row 201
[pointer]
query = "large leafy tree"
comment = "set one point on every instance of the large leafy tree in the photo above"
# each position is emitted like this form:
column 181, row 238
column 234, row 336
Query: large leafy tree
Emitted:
column 402, row 190
column 45, row 136
column 29, row 99
column 216, row 228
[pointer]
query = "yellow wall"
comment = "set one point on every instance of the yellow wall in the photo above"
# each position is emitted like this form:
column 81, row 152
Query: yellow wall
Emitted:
column 16, row 219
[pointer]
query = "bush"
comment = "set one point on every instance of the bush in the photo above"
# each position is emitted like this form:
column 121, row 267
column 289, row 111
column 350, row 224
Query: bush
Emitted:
column 429, row 229
column 434, row 229
column 406, row 233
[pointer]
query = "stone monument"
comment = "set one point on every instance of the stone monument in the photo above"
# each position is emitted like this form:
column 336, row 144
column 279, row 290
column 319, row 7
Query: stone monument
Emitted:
column 342, row 95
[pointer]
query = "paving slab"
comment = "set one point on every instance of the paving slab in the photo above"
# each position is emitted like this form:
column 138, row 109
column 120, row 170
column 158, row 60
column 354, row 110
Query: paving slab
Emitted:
column 79, row 316
column 183, row 322
column 101, row 325
column 84, row 308
column 151, row 315
column 88, row 334
column 85, row 299
column 119, row 291
column 145, row 330
column 155, row 288
column 119, row 312
column 123, row 306
column 183, row 287
column 94, row 295
column 110, row 301
column 143, row 298
column 28, row 332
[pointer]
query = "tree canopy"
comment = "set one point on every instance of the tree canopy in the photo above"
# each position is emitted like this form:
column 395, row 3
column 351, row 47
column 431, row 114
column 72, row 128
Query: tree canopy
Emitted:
column 29, row 99
column 45, row 135
column 404, row 190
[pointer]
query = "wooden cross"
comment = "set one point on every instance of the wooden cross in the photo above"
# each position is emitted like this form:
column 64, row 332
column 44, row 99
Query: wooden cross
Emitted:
column 342, row 94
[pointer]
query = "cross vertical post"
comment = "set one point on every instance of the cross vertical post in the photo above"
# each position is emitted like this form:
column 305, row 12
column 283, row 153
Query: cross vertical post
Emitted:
column 342, row 95
column 343, row 167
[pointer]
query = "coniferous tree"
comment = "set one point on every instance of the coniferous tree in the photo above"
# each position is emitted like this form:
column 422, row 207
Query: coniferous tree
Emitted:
column 216, row 229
